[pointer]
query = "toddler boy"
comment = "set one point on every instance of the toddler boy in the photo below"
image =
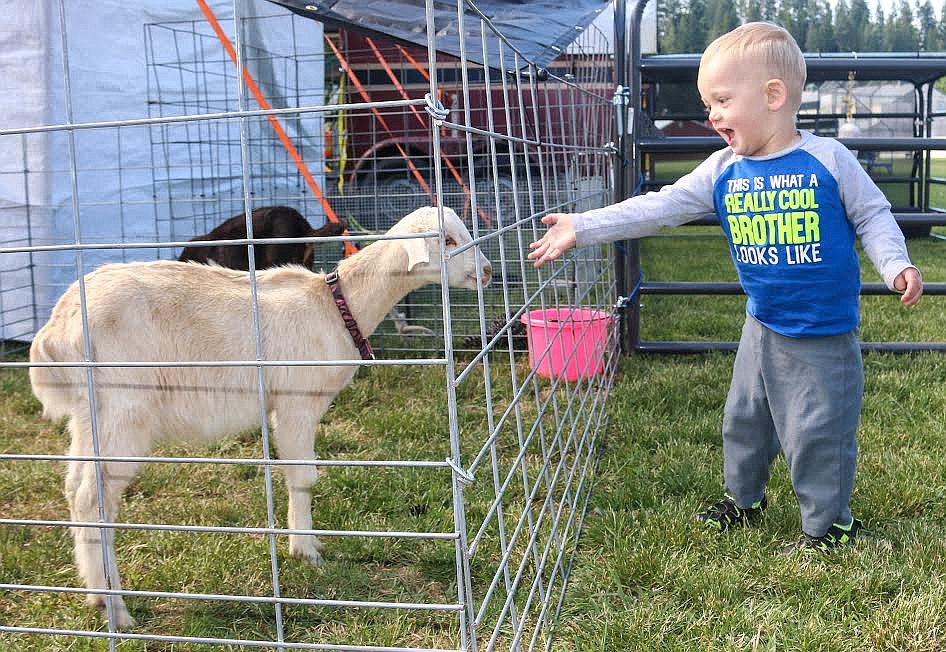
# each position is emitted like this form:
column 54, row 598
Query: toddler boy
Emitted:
column 790, row 204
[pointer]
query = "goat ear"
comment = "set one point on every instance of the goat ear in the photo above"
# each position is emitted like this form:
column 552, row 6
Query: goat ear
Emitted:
column 417, row 253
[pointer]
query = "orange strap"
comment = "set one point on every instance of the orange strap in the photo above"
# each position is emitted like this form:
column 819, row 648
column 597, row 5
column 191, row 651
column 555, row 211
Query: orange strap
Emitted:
column 400, row 89
column 393, row 78
column 422, row 71
column 273, row 121
column 419, row 67
column 380, row 119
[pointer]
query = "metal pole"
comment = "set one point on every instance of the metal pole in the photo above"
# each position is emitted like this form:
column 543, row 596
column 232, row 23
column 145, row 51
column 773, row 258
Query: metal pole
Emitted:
column 927, row 132
column 632, row 171
column 467, row 622
column 621, row 187
column 106, row 537
column 242, row 85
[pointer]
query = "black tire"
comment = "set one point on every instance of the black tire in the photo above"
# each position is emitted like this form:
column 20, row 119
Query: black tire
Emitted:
column 396, row 195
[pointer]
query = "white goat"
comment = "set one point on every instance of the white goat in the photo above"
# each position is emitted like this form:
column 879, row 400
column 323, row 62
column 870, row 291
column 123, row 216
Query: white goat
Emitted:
column 174, row 311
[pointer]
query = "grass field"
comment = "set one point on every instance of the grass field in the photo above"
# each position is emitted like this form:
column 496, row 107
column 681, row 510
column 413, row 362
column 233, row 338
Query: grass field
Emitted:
column 232, row 495
column 378, row 417
column 648, row 579
column 645, row 577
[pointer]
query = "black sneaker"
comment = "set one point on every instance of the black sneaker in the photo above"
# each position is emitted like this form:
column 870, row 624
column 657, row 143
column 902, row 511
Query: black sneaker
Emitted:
column 726, row 514
column 836, row 537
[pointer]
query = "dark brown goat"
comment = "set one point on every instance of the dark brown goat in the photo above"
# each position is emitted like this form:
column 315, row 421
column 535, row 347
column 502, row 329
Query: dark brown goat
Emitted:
column 268, row 222
column 276, row 222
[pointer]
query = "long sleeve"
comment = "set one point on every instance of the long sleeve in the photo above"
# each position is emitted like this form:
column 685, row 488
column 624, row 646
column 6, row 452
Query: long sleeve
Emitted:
column 869, row 211
column 687, row 199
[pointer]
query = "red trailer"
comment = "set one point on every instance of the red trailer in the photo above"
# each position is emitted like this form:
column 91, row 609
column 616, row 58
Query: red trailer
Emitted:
column 555, row 121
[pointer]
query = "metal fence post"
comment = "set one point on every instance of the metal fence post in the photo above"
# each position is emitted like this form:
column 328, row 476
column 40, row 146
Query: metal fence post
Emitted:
column 621, row 180
column 627, row 255
column 633, row 172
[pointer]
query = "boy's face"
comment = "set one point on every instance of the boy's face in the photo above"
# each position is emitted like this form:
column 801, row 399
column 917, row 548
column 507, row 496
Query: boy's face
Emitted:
column 739, row 98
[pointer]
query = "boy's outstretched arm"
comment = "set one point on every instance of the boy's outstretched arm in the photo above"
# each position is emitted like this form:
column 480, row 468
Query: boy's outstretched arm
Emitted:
column 556, row 241
column 910, row 283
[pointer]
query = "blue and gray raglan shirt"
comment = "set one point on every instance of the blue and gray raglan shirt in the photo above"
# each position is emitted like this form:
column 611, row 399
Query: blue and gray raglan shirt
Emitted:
column 790, row 218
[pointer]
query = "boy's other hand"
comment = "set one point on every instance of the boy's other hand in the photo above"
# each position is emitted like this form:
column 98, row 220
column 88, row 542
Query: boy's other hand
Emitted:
column 556, row 241
column 910, row 284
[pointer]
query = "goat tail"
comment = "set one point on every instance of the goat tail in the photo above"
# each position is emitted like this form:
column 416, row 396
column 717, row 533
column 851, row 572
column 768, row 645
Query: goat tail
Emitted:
column 57, row 388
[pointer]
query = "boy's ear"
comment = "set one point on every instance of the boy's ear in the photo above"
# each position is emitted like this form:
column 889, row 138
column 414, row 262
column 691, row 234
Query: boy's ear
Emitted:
column 776, row 93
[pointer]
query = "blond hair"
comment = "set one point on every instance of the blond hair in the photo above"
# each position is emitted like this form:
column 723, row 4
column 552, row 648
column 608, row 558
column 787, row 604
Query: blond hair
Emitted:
column 769, row 44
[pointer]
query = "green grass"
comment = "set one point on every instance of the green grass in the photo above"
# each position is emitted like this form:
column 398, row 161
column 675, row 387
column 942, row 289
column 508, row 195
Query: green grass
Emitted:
column 645, row 577
column 379, row 417
column 380, row 569
column 655, row 582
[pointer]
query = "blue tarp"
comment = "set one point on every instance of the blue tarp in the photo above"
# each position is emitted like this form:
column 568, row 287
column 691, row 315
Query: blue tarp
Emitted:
column 540, row 30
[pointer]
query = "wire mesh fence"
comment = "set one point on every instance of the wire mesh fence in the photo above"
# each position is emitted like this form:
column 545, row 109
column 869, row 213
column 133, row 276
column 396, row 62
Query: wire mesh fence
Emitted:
column 457, row 464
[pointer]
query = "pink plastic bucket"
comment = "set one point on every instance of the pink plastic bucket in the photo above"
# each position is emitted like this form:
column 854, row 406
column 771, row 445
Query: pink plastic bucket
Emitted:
column 567, row 342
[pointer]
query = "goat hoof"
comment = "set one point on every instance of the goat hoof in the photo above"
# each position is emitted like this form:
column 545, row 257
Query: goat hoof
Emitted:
column 121, row 619
column 309, row 553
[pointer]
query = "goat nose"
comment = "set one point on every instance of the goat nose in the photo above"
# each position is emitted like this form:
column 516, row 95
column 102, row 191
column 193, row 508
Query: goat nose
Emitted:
column 487, row 273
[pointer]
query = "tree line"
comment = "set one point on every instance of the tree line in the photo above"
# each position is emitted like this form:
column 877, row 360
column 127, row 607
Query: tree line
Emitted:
column 817, row 25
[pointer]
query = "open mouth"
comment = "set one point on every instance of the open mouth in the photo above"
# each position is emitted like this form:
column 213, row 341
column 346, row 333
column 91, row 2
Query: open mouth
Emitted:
column 727, row 134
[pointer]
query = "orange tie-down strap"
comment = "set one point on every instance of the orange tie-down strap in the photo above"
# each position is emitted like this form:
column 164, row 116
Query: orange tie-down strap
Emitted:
column 397, row 84
column 380, row 118
column 350, row 247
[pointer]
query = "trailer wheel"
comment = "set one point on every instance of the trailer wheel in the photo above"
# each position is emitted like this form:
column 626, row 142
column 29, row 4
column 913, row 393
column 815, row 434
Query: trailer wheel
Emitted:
column 395, row 196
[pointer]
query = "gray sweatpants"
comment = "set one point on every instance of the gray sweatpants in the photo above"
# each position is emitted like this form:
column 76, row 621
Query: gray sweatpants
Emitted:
column 803, row 397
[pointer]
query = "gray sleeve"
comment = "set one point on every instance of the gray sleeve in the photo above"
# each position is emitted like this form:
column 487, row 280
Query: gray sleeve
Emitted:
column 869, row 211
column 687, row 199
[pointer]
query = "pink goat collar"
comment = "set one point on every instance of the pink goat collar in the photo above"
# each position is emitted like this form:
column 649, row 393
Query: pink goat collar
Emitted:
column 364, row 348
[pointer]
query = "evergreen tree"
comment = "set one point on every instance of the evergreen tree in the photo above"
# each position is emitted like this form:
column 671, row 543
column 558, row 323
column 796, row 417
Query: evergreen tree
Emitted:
column 693, row 35
column 769, row 10
column 901, row 35
column 668, row 15
column 817, row 25
column 859, row 19
column 793, row 15
column 821, row 35
column 843, row 26
column 941, row 28
column 750, row 11
column 722, row 17
column 928, row 33
column 753, row 10
column 876, row 30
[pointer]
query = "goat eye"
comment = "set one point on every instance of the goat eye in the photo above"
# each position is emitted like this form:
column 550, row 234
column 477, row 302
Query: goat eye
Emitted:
column 450, row 242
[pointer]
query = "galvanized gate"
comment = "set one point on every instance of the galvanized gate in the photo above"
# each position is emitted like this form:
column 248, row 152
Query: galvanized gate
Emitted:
column 485, row 470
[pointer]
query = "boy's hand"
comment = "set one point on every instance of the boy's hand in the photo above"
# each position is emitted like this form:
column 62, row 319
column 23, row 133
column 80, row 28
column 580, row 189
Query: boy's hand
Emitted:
column 556, row 241
column 910, row 284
